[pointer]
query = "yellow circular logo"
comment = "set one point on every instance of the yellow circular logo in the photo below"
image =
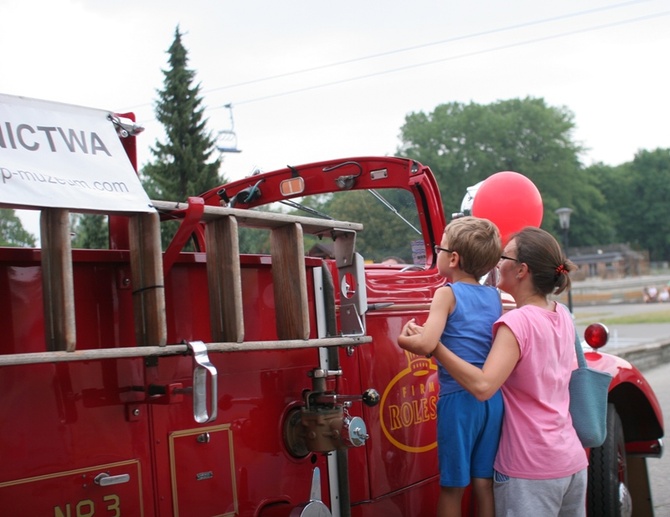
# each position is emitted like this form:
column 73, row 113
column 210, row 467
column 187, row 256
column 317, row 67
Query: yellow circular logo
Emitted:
column 408, row 407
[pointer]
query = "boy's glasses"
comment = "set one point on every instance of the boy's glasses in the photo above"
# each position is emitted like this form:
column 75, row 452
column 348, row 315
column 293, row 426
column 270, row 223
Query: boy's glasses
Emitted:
column 437, row 249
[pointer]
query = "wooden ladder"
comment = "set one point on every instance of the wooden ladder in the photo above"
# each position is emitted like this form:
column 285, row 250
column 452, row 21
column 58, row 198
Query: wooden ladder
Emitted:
column 223, row 273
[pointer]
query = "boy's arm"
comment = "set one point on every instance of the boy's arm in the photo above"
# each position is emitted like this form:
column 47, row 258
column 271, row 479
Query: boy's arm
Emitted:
column 422, row 340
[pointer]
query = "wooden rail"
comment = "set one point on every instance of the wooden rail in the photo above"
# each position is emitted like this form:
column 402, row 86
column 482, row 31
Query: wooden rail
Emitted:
column 180, row 349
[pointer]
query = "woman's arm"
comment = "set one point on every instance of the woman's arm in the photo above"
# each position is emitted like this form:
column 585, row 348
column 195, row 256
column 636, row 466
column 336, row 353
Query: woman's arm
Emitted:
column 422, row 340
column 483, row 382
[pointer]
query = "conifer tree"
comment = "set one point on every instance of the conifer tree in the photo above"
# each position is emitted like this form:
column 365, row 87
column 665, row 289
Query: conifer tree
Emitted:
column 184, row 163
column 90, row 231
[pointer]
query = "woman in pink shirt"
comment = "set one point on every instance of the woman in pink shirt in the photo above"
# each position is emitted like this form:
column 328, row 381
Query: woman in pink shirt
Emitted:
column 540, row 468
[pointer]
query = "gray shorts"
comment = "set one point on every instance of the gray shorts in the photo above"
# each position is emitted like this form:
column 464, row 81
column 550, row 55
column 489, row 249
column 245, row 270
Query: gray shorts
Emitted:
column 546, row 497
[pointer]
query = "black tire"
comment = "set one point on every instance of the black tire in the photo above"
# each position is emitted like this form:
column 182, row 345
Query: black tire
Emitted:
column 608, row 473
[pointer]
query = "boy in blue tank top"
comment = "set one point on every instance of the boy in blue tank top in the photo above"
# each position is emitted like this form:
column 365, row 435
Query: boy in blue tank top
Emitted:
column 461, row 316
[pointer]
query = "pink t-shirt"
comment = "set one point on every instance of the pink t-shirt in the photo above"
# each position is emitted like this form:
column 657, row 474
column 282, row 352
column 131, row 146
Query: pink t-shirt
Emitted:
column 538, row 440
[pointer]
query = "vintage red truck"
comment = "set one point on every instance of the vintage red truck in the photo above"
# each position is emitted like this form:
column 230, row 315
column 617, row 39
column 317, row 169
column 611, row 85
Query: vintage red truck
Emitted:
column 251, row 368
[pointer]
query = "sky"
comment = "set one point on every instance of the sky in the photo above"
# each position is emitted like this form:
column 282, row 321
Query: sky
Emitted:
column 310, row 80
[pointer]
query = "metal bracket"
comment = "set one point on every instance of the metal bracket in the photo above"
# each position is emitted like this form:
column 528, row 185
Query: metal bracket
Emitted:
column 188, row 226
column 203, row 369
column 353, row 297
column 344, row 244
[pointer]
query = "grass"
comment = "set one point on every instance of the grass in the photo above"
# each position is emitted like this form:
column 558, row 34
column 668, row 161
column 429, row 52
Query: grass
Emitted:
column 632, row 319
column 593, row 316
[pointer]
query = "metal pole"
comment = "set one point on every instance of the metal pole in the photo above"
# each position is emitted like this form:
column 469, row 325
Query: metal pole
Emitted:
column 566, row 230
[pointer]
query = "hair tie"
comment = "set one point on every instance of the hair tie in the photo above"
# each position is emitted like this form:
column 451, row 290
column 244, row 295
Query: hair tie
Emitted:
column 561, row 270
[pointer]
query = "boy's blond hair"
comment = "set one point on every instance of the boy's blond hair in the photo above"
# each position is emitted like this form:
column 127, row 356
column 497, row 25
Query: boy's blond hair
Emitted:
column 477, row 242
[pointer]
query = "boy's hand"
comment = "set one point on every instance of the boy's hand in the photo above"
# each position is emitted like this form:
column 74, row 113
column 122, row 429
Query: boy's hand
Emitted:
column 411, row 328
column 410, row 337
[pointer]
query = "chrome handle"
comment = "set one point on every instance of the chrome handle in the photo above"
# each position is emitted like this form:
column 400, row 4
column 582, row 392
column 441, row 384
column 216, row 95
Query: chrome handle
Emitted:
column 203, row 369
column 104, row 479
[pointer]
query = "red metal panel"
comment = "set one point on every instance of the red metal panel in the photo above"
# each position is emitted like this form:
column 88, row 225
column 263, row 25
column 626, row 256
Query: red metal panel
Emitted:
column 203, row 471
column 255, row 392
column 66, row 423
column 75, row 493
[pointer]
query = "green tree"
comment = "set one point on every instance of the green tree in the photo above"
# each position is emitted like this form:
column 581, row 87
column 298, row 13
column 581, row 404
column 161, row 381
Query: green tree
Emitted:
column 640, row 194
column 465, row 143
column 12, row 232
column 90, row 231
column 613, row 184
column 386, row 231
column 184, row 164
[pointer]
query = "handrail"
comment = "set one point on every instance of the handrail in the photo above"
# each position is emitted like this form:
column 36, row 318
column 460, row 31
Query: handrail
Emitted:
column 260, row 219
column 178, row 349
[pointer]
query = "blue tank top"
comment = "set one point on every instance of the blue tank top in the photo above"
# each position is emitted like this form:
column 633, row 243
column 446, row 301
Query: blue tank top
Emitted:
column 469, row 329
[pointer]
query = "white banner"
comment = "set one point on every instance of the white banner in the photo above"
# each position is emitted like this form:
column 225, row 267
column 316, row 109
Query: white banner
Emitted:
column 59, row 155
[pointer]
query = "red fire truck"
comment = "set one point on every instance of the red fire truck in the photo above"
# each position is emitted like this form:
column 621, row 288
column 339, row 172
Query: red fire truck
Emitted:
column 250, row 367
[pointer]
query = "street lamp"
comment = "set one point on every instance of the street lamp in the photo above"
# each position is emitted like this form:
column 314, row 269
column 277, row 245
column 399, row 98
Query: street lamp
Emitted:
column 564, row 222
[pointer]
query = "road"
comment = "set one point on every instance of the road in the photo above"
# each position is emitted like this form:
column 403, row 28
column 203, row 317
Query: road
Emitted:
column 659, row 469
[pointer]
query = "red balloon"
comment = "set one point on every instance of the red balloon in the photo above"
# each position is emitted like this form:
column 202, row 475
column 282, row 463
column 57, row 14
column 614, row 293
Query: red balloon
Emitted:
column 510, row 200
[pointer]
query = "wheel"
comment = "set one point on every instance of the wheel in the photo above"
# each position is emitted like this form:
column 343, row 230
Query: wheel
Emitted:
column 608, row 494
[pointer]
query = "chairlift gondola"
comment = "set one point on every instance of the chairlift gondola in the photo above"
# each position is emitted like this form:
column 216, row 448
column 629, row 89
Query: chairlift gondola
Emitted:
column 226, row 140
